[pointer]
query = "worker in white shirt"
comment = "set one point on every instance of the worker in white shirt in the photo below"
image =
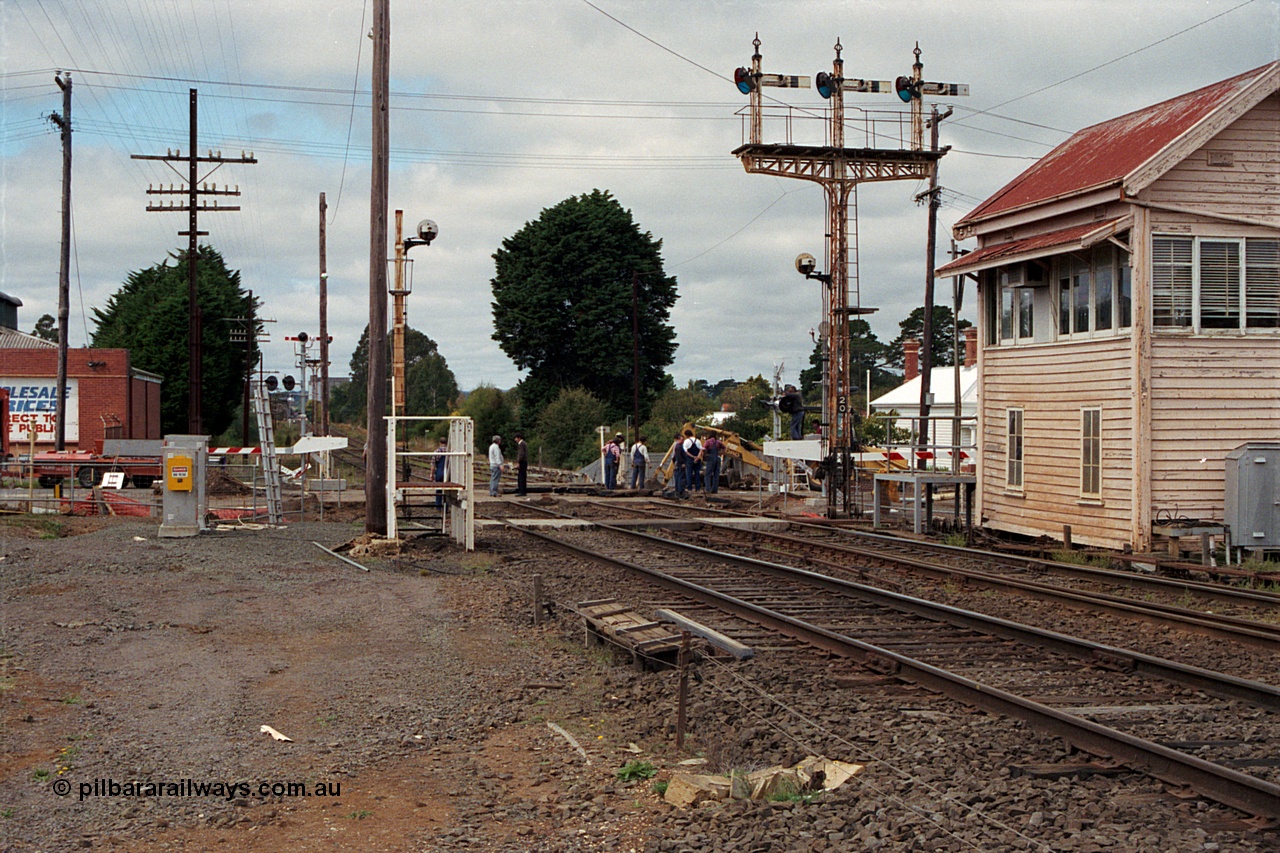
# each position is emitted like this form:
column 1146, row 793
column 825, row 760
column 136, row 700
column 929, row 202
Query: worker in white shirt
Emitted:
column 495, row 465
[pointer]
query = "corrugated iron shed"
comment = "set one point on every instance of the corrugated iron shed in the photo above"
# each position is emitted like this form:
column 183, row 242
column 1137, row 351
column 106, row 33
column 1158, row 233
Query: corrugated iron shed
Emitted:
column 13, row 339
column 1105, row 153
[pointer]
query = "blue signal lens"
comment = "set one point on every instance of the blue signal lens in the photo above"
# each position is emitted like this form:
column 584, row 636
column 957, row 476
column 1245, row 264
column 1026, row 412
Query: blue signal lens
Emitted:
column 824, row 83
column 904, row 89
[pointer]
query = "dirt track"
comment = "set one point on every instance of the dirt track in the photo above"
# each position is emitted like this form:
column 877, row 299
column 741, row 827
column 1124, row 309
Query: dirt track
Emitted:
column 132, row 659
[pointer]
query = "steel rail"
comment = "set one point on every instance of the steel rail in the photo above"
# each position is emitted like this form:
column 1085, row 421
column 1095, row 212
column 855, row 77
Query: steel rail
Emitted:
column 1221, row 784
column 1217, row 592
column 1244, row 631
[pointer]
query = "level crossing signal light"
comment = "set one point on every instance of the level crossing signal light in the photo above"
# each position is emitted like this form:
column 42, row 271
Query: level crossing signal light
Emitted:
column 272, row 383
column 288, row 382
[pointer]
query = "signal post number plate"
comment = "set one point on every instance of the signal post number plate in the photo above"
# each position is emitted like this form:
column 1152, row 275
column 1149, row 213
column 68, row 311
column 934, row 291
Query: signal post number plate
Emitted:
column 842, row 404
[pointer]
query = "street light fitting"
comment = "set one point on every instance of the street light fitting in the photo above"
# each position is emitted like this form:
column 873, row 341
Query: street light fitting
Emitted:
column 806, row 264
column 427, row 231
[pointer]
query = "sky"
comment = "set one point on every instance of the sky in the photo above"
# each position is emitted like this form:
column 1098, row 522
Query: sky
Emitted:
column 502, row 109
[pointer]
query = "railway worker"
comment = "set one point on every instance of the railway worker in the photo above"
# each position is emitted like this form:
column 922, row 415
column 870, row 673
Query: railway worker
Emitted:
column 522, row 465
column 793, row 404
column 712, row 447
column 612, row 453
column 693, row 460
column 440, row 467
column 639, row 462
column 679, row 470
column 495, row 466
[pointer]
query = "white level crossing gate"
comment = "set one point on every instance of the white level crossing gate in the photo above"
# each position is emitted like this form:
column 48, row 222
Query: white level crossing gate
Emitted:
column 419, row 500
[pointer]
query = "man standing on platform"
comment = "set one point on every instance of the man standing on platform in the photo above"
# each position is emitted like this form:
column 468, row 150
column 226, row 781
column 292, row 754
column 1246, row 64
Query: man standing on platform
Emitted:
column 440, row 467
column 522, row 465
column 793, row 404
column 639, row 462
column 495, row 466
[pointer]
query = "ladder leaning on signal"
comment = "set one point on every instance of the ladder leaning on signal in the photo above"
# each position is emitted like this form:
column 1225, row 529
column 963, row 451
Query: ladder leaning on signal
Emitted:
column 270, row 462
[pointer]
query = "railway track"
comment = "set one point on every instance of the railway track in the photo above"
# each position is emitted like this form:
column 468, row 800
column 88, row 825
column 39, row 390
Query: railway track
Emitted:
column 1188, row 726
column 1250, row 617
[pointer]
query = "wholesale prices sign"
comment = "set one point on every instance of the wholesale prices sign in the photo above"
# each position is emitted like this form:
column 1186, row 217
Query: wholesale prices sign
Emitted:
column 33, row 405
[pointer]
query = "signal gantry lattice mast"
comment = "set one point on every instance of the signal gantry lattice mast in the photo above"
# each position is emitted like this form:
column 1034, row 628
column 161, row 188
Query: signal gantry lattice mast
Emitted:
column 839, row 170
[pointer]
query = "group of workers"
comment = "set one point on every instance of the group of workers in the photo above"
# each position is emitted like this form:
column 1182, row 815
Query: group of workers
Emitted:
column 696, row 462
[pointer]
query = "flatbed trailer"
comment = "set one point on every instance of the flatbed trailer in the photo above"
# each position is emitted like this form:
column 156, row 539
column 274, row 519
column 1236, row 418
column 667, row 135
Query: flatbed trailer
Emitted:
column 139, row 461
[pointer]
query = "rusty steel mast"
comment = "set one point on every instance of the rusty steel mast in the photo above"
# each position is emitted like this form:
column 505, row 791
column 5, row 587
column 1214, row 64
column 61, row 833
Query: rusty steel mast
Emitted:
column 839, row 170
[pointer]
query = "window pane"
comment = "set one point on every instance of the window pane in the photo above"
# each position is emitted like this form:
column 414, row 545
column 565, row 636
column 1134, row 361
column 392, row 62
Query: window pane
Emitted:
column 1219, row 285
column 1006, row 313
column 1124, row 296
column 991, row 297
column 1026, row 313
column 1102, row 296
column 1013, row 471
column 1171, row 281
column 1262, row 283
column 1080, row 293
column 1091, row 452
column 1064, row 306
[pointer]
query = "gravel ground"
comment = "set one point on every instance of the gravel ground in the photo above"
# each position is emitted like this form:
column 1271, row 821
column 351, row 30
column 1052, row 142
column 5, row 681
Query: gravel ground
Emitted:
column 420, row 692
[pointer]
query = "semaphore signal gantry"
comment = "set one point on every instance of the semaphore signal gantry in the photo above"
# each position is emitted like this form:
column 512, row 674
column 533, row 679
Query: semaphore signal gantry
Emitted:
column 839, row 169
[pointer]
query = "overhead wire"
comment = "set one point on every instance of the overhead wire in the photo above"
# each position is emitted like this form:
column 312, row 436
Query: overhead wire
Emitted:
column 351, row 118
column 1111, row 61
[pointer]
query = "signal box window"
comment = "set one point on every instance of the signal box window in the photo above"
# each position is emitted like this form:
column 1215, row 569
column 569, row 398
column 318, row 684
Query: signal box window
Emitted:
column 1091, row 453
column 1013, row 470
column 1203, row 283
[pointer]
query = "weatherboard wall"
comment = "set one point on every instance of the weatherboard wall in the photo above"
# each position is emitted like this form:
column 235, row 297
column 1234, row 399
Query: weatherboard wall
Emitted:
column 1236, row 173
column 1052, row 384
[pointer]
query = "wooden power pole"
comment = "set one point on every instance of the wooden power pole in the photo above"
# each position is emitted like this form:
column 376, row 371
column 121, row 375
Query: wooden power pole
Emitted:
column 375, row 480
column 934, row 196
column 193, row 207
column 63, row 122
column 324, row 323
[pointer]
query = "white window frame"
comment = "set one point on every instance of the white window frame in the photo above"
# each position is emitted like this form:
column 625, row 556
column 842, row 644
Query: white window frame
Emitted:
column 1065, row 268
column 1015, row 457
column 1014, row 281
column 1196, row 326
column 1091, row 456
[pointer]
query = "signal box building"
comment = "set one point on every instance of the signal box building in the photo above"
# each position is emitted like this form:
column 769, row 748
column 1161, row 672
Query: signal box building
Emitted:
column 106, row 396
column 1130, row 323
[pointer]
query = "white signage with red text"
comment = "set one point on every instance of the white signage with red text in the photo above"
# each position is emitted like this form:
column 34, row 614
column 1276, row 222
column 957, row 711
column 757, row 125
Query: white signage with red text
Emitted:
column 33, row 405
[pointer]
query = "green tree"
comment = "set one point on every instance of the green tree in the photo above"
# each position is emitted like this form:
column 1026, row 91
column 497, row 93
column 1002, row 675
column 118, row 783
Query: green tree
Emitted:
column 562, row 305
column 494, row 413
column 567, row 429
column 944, row 326
column 675, row 408
column 148, row 316
column 752, row 417
column 866, row 353
column 430, row 386
column 46, row 328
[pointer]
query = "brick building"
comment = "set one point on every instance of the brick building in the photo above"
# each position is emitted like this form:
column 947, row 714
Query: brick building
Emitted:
column 106, row 396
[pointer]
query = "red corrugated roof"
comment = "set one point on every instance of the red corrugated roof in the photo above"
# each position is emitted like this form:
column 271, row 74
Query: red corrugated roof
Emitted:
column 1105, row 153
column 1027, row 247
